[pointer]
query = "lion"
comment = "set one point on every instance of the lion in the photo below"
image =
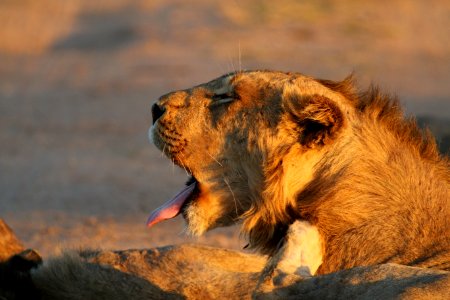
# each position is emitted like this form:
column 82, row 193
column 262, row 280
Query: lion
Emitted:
column 325, row 180
column 267, row 149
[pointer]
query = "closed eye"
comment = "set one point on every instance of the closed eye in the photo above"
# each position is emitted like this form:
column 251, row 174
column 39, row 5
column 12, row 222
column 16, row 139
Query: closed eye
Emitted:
column 223, row 98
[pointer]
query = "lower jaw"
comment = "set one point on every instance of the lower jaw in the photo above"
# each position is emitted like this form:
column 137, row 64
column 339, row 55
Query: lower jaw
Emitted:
column 200, row 219
column 196, row 225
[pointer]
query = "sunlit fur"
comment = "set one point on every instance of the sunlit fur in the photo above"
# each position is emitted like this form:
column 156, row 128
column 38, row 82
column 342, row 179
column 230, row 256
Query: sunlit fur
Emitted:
column 290, row 147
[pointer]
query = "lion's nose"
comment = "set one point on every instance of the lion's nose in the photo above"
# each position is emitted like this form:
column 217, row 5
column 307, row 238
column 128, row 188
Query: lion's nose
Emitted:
column 157, row 112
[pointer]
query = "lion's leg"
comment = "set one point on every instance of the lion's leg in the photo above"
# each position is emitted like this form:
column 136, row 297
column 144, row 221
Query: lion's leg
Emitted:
column 299, row 257
column 301, row 253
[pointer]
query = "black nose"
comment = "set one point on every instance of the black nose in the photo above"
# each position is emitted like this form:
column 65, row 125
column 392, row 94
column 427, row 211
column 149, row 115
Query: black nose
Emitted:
column 157, row 112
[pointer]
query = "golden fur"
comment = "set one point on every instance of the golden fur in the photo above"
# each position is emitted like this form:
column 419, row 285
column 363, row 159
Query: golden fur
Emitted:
column 268, row 148
column 198, row 272
column 173, row 272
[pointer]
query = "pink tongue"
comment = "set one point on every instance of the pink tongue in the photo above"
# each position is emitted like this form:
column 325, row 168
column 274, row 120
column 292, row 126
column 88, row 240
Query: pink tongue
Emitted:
column 171, row 208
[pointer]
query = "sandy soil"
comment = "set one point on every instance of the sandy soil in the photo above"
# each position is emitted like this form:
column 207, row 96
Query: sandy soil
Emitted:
column 77, row 79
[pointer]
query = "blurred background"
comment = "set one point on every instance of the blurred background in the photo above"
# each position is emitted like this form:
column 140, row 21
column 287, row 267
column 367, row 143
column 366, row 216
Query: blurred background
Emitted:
column 78, row 77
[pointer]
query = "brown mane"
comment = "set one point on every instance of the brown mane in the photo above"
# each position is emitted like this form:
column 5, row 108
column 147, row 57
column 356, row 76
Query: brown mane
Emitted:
column 265, row 235
column 386, row 109
column 285, row 147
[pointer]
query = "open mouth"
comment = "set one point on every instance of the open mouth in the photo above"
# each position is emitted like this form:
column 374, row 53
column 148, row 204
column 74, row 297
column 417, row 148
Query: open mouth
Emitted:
column 175, row 206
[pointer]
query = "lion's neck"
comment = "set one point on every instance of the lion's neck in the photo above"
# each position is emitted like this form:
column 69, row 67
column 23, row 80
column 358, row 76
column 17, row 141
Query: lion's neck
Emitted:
column 370, row 170
column 275, row 206
column 368, row 173
column 373, row 192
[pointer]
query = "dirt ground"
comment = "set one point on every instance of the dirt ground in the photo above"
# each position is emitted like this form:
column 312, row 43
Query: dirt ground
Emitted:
column 77, row 79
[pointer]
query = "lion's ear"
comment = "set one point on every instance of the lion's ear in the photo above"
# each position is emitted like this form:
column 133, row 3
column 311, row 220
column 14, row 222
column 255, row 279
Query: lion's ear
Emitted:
column 318, row 117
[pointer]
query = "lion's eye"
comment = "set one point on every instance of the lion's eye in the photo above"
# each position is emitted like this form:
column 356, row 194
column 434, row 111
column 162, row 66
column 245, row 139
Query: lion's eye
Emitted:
column 223, row 98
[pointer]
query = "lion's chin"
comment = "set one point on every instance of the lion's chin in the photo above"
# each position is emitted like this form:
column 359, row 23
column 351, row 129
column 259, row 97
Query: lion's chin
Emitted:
column 202, row 209
column 205, row 211
column 196, row 223
column 199, row 223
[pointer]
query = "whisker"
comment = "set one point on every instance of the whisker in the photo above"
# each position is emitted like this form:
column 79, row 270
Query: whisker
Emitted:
column 164, row 148
column 184, row 167
column 234, row 198
column 183, row 231
column 231, row 62
column 239, row 49
column 171, row 159
column 214, row 159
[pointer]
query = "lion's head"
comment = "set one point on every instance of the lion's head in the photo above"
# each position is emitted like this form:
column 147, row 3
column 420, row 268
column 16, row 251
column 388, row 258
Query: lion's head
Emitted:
column 251, row 141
